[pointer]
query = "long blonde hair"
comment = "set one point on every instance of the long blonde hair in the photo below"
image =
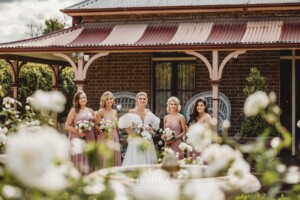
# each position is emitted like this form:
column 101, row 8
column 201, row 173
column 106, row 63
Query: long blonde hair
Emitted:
column 103, row 98
column 138, row 95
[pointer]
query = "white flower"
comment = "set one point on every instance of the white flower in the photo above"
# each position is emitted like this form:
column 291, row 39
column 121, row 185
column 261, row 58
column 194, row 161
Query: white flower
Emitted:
column 2, row 138
column 53, row 101
column 281, row 168
column 199, row 161
column 250, row 184
column 77, row 146
column 255, row 103
column 293, row 175
column 3, row 161
column 32, row 158
column 155, row 184
column 214, row 121
column 11, row 192
column 84, row 126
column 272, row 97
column 184, row 146
column 119, row 106
column 275, row 142
column 277, row 110
column 52, row 180
column 3, row 130
column 119, row 190
column 218, row 158
column 145, row 134
column 203, row 190
column 94, row 184
column 199, row 136
column 237, row 173
column 94, row 189
column 8, row 102
column 226, row 124
column 168, row 134
column 298, row 124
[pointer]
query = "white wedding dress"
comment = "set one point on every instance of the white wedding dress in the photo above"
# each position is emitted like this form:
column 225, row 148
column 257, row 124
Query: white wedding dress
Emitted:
column 134, row 154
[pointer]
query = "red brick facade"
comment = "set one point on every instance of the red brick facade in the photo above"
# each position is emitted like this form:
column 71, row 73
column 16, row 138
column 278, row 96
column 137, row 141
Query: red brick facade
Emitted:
column 132, row 72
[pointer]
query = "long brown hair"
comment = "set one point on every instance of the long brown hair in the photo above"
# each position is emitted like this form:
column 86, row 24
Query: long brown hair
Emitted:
column 194, row 115
column 76, row 98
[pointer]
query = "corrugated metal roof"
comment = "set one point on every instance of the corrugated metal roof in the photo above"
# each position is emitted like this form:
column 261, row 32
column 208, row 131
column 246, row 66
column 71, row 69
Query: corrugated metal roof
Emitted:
column 94, row 4
column 158, row 34
column 262, row 32
column 167, row 33
column 226, row 33
column 290, row 31
column 192, row 33
column 93, row 34
column 125, row 34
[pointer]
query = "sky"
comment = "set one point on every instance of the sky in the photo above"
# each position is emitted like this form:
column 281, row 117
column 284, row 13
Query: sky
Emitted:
column 16, row 14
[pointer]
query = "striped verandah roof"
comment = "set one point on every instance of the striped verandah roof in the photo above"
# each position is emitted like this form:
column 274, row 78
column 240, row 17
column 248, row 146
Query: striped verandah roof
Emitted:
column 192, row 37
column 166, row 35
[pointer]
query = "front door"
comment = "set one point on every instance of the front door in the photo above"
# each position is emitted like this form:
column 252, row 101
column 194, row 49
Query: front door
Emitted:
column 290, row 97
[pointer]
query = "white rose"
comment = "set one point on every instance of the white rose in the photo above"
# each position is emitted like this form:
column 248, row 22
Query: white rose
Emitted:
column 255, row 103
column 119, row 107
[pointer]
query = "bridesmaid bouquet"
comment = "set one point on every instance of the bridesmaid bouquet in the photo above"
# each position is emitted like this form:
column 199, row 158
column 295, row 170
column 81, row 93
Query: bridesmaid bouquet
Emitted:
column 84, row 126
column 106, row 126
column 168, row 135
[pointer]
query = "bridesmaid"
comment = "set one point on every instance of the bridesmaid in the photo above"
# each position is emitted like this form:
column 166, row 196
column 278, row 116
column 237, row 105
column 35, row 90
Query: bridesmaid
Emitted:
column 80, row 112
column 175, row 121
column 200, row 113
column 107, row 112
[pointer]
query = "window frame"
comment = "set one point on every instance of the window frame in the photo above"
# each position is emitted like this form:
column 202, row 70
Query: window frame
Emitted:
column 175, row 62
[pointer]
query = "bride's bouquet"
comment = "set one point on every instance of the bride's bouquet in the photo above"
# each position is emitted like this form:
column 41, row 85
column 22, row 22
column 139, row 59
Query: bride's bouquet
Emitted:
column 136, row 125
column 106, row 126
column 84, row 126
column 142, row 131
column 168, row 134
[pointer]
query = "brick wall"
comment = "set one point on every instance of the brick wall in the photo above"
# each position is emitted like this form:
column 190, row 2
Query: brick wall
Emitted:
column 132, row 72
column 188, row 16
column 118, row 72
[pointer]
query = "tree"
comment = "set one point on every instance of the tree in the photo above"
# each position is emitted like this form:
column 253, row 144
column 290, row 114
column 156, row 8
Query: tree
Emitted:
column 5, row 78
column 33, row 77
column 68, row 88
column 50, row 25
column 253, row 126
column 53, row 25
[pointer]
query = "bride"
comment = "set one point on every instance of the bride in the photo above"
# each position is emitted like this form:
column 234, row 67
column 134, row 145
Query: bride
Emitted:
column 140, row 124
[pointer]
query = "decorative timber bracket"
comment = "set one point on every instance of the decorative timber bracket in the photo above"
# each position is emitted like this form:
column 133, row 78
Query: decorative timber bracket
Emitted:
column 215, row 72
column 83, row 63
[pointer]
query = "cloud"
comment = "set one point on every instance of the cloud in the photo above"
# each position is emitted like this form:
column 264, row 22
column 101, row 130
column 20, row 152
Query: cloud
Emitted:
column 17, row 14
